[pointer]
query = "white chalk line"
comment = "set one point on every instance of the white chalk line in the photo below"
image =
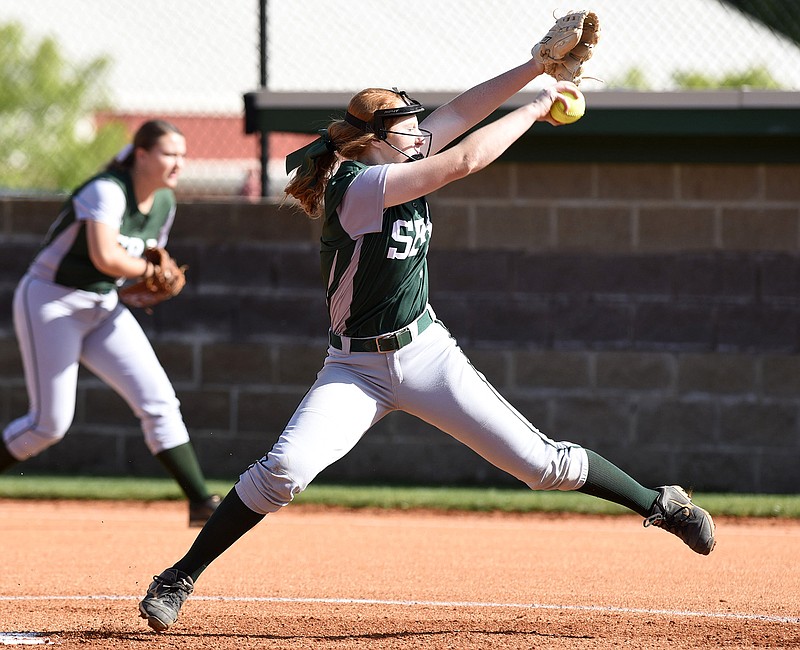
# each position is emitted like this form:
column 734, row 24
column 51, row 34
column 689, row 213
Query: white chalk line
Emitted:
column 24, row 638
column 447, row 604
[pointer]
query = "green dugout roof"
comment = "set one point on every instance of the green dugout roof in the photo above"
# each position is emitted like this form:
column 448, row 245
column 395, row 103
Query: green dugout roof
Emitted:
column 717, row 126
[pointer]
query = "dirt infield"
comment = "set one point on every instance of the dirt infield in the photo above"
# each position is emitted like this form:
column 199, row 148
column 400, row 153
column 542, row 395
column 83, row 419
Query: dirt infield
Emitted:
column 72, row 573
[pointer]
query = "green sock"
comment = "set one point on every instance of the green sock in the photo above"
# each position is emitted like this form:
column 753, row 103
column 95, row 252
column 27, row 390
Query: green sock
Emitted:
column 6, row 459
column 230, row 521
column 609, row 482
column 181, row 463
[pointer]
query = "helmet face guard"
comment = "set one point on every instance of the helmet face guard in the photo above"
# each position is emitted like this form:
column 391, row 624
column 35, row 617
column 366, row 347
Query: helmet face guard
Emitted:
column 378, row 124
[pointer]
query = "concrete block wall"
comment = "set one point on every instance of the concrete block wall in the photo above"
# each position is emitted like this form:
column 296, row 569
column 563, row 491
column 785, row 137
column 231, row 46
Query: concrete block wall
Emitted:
column 649, row 312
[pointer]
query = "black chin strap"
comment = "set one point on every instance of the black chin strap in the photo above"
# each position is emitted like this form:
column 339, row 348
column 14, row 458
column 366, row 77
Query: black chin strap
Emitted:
column 416, row 156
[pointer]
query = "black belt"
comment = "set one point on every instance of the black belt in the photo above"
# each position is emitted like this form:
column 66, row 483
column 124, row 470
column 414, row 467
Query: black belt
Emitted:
column 387, row 342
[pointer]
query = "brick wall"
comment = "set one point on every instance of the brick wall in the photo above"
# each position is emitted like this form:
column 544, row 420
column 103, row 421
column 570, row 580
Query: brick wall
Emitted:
column 648, row 311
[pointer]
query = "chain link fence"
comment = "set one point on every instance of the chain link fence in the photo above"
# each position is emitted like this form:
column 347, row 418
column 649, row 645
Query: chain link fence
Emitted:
column 76, row 78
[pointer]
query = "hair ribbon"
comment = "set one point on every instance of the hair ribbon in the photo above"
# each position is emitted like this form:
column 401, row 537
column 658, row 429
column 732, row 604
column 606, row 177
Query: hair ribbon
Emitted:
column 322, row 146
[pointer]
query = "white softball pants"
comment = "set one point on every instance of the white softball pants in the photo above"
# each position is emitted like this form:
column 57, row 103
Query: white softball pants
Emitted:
column 430, row 378
column 57, row 329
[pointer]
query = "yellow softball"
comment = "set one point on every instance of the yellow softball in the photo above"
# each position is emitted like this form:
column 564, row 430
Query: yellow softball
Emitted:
column 576, row 107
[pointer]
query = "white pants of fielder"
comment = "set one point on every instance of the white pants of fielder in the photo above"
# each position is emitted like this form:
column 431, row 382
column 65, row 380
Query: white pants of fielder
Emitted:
column 430, row 378
column 57, row 329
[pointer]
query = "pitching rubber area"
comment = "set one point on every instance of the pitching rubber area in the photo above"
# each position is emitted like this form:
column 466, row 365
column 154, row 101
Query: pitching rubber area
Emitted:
column 73, row 572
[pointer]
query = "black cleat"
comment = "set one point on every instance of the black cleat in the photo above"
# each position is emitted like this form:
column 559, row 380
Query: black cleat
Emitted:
column 164, row 598
column 674, row 511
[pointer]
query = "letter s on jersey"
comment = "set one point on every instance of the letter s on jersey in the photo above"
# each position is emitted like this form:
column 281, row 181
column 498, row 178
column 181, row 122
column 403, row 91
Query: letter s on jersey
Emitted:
column 410, row 236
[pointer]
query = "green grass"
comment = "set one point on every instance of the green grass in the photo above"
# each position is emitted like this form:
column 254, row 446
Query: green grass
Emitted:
column 390, row 497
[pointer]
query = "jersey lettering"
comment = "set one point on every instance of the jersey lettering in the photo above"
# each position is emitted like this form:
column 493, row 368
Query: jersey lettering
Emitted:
column 134, row 245
column 399, row 228
column 411, row 235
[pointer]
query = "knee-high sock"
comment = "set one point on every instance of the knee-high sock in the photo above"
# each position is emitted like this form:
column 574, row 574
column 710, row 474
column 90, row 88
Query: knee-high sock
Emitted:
column 607, row 481
column 230, row 521
column 181, row 463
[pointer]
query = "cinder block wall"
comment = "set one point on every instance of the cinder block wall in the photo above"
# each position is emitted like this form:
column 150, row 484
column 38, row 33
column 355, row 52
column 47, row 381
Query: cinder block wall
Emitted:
column 649, row 312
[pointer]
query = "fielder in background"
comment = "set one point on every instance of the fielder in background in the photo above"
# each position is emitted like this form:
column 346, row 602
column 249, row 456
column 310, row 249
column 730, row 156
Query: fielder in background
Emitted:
column 67, row 311
column 367, row 177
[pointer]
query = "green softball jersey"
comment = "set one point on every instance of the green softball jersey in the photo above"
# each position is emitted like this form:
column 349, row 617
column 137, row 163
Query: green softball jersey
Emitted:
column 373, row 259
column 108, row 198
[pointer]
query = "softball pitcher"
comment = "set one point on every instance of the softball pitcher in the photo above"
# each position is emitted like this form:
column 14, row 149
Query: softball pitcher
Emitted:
column 367, row 177
column 67, row 312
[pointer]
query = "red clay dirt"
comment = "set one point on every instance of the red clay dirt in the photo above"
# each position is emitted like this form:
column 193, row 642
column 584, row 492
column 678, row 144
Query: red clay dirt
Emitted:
column 73, row 572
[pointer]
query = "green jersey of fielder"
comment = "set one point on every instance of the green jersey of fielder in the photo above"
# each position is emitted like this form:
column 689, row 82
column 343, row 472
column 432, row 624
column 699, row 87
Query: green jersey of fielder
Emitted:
column 137, row 231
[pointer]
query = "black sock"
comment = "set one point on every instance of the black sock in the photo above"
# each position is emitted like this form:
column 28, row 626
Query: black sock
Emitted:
column 609, row 482
column 230, row 521
column 181, row 463
column 6, row 459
